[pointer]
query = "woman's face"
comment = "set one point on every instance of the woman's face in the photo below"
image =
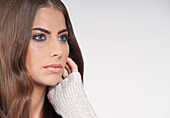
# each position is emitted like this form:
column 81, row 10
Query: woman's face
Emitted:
column 48, row 47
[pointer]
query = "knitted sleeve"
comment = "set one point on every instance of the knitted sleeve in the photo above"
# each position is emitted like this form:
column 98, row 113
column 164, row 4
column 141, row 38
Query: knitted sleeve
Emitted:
column 69, row 100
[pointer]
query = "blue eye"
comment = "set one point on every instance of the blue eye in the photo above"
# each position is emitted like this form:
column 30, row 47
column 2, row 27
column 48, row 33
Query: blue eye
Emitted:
column 63, row 38
column 40, row 37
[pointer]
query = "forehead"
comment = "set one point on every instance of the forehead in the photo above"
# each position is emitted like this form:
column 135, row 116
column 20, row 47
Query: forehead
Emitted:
column 49, row 17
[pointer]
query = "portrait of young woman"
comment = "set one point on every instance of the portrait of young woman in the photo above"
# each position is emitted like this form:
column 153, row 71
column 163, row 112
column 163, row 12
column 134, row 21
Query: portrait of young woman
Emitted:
column 41, row 65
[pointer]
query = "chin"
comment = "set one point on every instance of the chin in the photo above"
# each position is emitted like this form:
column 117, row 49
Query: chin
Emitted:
column 52, row 83
column 52, row 80
column 47, row 81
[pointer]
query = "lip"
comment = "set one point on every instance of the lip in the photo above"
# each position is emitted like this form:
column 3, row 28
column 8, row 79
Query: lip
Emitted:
column 55, row 68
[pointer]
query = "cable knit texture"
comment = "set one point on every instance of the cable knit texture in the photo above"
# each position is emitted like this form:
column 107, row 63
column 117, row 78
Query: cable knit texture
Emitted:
column 69, row 99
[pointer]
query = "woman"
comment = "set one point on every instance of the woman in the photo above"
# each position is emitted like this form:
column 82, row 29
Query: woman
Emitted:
column 38, row 77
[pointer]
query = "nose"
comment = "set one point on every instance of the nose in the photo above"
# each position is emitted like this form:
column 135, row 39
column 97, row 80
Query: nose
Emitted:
column 56, row 50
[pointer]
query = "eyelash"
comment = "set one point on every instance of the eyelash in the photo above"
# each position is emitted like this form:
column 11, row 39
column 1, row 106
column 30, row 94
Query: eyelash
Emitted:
column 35, row 37
column 66, row 37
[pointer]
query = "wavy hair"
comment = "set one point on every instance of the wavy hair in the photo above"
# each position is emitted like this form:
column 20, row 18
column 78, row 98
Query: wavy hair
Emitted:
column 16, row 84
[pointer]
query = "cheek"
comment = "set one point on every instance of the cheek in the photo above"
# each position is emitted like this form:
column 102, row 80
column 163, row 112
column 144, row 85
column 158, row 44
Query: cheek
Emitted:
column 33, row 57
column 29, row 59
column 67, row 51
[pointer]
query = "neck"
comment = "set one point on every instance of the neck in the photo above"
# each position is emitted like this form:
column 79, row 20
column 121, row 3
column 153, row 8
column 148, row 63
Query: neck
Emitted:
column 37, row 101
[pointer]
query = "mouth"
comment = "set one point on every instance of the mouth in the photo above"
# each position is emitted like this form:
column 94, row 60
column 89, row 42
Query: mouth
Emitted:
column 55, row 68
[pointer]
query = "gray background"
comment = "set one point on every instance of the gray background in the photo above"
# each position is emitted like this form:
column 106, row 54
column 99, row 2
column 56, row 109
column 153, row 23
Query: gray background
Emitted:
column 126, row 49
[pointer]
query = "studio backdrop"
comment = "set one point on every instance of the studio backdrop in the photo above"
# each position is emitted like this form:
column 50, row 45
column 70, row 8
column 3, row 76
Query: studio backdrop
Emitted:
column 126, row 50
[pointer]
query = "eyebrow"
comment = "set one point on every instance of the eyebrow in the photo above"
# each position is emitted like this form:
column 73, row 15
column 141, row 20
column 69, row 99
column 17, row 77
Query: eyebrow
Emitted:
column 64, row 30
column 43, row 30
column 48, row 32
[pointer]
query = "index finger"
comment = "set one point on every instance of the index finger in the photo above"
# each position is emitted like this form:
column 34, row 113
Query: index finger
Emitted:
column 72, row 64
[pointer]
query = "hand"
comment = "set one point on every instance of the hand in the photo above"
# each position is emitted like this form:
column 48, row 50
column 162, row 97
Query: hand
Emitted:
column 69, row 68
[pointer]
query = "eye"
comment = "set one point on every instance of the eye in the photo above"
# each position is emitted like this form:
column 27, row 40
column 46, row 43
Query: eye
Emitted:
column 39, row 37
column 63, row 37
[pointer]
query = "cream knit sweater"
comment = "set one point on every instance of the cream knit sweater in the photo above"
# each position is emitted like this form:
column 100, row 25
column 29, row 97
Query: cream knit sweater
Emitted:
column 69, row 99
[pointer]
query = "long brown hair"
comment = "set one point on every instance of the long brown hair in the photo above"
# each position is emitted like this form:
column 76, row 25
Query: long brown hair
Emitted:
column 16, row 85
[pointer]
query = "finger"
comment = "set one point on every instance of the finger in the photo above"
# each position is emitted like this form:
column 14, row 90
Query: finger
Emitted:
column 65, row 73
column 72, row 64
column 68, row 68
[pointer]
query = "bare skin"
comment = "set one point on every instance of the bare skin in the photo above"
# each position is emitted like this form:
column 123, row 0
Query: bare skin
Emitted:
column 47, row 46
column 39, row 94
